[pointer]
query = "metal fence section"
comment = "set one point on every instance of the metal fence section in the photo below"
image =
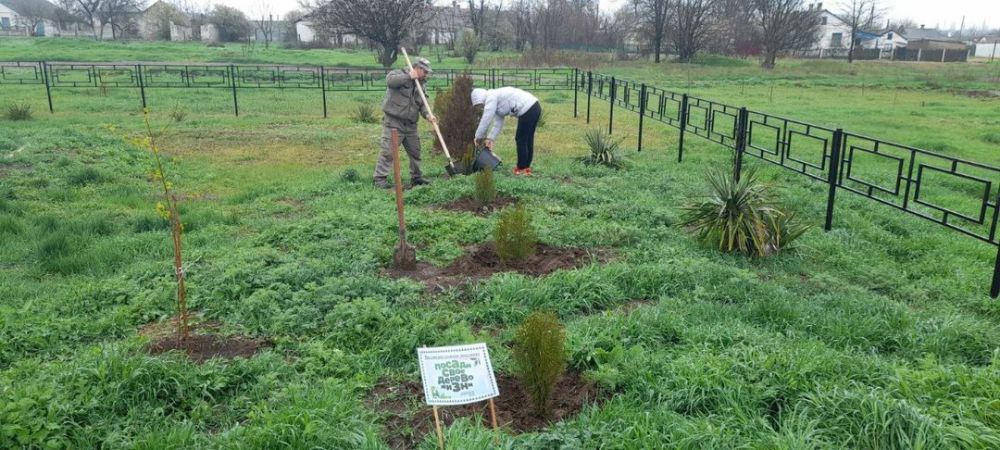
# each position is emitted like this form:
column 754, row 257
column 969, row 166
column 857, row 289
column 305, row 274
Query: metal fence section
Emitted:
column 236, row 77
column 961, row 195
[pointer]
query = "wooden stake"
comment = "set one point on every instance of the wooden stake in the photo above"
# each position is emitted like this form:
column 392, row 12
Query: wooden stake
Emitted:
column 437, row 426
column 493, row 417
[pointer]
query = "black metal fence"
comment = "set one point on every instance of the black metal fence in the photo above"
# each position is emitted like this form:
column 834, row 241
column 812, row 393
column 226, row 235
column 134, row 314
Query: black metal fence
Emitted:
column 235, row 77
column 958, row 194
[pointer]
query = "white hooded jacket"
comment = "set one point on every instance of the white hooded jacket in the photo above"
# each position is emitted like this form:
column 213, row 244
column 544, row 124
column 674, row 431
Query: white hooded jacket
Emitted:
column 498, row 104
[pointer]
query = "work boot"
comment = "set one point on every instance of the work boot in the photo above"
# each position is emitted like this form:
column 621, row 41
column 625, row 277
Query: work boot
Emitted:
column 382, row 184
column 419, row 182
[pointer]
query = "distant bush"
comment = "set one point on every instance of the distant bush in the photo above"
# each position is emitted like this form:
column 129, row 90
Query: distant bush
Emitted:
column 604, row 149
column 85, row 176
column 540, row 357
column 467, row 46
column 485, row 191
column 178, row 114
column 19, row 111
column 364, row 113
column 740, row 216
column 515, row 236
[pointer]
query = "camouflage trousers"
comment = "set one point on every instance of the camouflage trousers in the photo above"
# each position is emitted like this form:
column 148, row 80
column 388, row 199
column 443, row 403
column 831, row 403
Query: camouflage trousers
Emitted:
column 410, row 141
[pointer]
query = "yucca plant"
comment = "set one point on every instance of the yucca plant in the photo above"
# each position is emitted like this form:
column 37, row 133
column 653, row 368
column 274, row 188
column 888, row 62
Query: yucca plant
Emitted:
column 740, row 216
column 19, row 111
column 604, row 149
column 364, row 113
column 540, row 357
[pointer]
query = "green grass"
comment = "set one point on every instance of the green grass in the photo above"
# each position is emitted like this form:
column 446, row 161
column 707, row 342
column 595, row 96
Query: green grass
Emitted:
column 878, row 334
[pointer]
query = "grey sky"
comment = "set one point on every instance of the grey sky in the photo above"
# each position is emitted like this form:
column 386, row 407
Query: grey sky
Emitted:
column 933, row 13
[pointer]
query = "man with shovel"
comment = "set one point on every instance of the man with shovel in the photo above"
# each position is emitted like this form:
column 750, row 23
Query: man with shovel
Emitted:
column 402, row 106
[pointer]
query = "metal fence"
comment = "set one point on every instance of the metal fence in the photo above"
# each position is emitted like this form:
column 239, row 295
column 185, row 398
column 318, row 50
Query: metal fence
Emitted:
column 960, row 195
column 235, row 77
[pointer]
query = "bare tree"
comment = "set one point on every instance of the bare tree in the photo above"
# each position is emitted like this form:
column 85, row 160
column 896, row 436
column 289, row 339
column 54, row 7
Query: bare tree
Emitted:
column 653, row 16
column 524, row 23
column 689, row 27
column 859, row 15
column 784, row 25
column 732, row 27
column 120, row 15
column 265, row 22
column 385, row 23
column 87, row 9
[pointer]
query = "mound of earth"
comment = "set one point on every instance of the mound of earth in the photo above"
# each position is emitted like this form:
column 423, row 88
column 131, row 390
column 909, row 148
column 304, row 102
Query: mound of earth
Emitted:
column 202, row 344
column 467, row 204
column 482, row 261
column 407, row 419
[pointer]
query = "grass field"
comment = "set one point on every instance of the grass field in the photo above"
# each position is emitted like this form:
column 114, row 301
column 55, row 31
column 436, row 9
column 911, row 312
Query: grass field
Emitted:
column 878, row 334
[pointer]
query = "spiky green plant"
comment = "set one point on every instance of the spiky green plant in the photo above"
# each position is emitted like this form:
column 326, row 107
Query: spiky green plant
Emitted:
column 364, row 113
column 515, row 236
column 604, row 149
column 19, row 111
column 540, row 357
column 485, row 191
column 740, row 216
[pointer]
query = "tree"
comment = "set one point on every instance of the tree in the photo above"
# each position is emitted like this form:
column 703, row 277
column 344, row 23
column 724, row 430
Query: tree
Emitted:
column 231, row 23
column 784, row 25
column 733, row 30
column 689, row 27
column 859, row 15
column 524, row 23
column 291, row 18
column 653, row 15
column 120, row 15
column 87, row 9
column 265, row 22
column 385, row 23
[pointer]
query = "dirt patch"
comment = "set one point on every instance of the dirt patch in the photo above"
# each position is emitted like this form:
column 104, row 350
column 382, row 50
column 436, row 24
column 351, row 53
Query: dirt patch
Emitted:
column 981, row 93
column 482, row 261
column 203, row 344
column 407, row 419
column 466, row 204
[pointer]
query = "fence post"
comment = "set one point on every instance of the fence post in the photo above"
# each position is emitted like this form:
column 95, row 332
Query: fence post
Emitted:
column 944, row 52
column 838, row 143
column 920, row 53
column 322, row 87
column 684, row 119
column 576, row 89
column 741, row 143
column 995, row 287
column 611, row 111
column 590, row 91
column 232, row 82
column 142, row 85
column 48, row 85
column 642, row 111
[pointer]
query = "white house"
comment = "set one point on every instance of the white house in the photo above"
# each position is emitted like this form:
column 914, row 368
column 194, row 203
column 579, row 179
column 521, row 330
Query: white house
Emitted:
column 305, row 31
column 833, row 32
column 36, row 18
column 887, row 40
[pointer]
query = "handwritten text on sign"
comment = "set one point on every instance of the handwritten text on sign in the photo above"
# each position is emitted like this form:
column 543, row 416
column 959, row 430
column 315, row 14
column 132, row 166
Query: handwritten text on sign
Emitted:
column 457, row 375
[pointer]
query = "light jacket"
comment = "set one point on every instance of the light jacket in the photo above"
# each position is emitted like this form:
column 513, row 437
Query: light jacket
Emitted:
column 497, row 105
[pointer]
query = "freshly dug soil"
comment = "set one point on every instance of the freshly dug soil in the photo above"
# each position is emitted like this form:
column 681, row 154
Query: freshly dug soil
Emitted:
column 467, row 204
column 407, row 419
column 201, row 345
column 482, row 261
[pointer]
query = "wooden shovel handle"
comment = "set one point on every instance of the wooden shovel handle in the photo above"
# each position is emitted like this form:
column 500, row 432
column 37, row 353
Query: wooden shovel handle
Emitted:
column 398, row 183
column 423, row 97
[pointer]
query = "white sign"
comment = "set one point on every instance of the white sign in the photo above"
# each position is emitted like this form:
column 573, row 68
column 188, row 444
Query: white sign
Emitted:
column 457, row 375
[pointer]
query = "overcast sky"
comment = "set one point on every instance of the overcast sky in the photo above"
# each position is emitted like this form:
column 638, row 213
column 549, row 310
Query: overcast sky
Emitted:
column 933, row 13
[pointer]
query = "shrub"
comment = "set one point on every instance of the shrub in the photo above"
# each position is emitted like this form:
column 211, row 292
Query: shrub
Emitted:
column 19, row 111
column 515, row 237
column 540, row 356
column 486, row 190
column 740, row 216
column 85, row 176
column 178, row 114
column 350, row 176
column 604, row 149
column 364, row 113
column 457, row 117
column 467, row 46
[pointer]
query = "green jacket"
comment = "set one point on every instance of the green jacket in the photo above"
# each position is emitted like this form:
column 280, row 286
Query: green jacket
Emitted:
column 402, row 104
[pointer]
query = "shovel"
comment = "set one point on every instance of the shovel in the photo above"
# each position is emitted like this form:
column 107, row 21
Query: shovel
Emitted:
column 451, row 164
column 405, row 256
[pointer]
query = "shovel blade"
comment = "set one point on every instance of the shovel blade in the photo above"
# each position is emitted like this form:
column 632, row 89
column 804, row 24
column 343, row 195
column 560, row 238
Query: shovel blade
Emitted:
column 405, row 256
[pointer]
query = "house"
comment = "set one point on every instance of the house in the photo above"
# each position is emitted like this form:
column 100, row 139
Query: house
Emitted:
column 307, row 32
column 932, row 39
column 887, row 40
column 835, row 34
column 38, row 18
column 164, row 21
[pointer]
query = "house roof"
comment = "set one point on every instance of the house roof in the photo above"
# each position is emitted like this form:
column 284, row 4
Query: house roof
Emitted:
column 32, row 7
column 930, row 34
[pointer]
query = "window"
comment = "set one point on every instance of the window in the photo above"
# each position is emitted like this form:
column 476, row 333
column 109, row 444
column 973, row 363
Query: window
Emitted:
column 837, row 40
column 890, row 36
column 4, row 23
column 824, row 20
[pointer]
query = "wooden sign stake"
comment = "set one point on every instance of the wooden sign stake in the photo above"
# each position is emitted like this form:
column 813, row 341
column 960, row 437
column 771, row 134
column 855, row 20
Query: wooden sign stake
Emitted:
column 493, row 416
column 437, row 426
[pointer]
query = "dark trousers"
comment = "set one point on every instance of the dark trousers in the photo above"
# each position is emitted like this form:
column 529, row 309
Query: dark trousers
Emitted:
column 525, row 137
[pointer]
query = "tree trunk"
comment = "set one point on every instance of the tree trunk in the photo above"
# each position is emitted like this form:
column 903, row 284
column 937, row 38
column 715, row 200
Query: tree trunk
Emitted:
column 769, row 58
column 656, row 49
column 850, row 51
